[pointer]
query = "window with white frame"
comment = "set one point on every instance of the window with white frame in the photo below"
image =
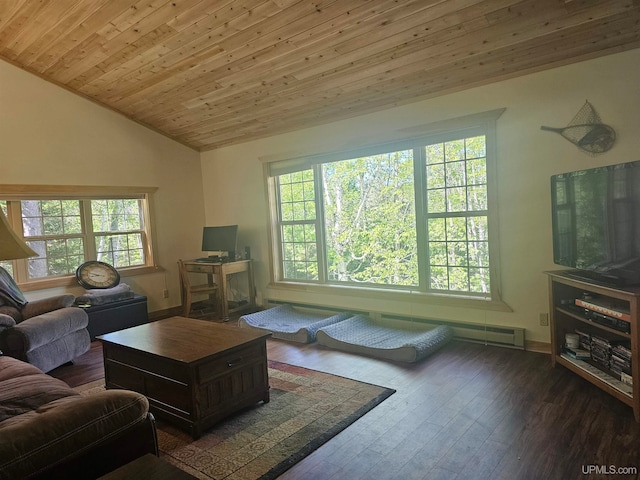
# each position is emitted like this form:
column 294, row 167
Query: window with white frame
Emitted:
column 414, row 216
column 67, row 231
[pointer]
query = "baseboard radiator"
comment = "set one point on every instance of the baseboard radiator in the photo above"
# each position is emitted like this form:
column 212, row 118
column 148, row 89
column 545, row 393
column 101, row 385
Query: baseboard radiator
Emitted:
column 511, row 337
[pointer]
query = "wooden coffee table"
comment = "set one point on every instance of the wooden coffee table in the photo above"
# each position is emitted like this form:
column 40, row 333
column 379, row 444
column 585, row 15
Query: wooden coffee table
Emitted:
column 194, row 372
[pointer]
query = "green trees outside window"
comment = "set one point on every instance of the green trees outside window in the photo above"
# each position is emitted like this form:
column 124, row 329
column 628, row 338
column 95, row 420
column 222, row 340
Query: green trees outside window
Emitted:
column 298, row 226
column 67, row 232
column 370, row 219
column 414, row 218
column 456, row 214
column 119, row 233
column 53, row 229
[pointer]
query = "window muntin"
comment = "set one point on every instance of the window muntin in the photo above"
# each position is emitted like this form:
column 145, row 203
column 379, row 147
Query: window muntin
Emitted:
column 53, row 229
column 446, row 247
column 119, row 234
column 298, row 236
column 457, row 215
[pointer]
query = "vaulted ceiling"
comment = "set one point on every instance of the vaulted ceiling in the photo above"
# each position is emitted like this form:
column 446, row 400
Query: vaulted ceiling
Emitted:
column 210, row 73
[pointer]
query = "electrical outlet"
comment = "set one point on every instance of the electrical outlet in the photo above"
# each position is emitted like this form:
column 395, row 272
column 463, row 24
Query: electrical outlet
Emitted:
column 165, row 293
column 544, row 319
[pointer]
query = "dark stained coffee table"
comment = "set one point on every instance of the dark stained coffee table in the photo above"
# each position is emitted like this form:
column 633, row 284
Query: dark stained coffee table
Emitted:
column 194, row 372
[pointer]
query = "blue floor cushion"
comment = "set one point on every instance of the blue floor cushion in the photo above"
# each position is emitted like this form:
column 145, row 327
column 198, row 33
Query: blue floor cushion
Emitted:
column 389, row 339
column 288, row 323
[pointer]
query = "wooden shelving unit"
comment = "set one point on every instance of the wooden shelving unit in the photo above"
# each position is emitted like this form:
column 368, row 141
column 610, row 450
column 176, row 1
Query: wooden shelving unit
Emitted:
column 565, row 318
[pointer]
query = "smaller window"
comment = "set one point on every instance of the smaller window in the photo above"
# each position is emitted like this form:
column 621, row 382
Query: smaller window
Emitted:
column 65, row 231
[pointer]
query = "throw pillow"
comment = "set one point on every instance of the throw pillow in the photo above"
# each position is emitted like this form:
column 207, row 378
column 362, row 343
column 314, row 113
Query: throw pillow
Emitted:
column 10, row 294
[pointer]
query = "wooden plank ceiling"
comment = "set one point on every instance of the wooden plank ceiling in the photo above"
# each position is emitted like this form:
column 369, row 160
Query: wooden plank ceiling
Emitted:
column 210, row 73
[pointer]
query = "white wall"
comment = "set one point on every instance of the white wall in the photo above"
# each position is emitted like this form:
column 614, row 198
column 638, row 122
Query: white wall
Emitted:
column 50, row 136
column 527, row 157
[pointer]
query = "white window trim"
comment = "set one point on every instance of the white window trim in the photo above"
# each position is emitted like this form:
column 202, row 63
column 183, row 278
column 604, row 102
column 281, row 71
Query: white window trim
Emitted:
column 405, row 138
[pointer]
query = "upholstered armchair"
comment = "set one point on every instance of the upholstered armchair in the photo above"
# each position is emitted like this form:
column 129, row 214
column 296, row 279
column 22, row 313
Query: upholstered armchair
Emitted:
column 46, row 333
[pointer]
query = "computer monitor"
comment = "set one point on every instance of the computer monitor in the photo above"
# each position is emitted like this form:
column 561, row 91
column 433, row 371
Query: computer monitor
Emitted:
column 220, row 240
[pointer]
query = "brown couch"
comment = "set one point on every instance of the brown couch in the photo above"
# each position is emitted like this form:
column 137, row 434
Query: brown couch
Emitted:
column 48, row 430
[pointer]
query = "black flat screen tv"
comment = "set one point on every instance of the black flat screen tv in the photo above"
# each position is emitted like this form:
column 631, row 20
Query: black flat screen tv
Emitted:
column 222, row 239
column 596, row 223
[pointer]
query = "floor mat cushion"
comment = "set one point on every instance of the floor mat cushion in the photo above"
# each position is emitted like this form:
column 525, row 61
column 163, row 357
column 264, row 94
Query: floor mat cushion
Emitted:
column 389, row 339
column 287, row 323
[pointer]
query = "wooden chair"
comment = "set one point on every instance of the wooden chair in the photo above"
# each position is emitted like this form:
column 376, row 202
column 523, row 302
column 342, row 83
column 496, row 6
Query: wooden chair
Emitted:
column 188, row 290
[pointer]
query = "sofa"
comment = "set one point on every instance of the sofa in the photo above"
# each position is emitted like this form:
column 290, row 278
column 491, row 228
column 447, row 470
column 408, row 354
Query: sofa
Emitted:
column 46, row 333
column 48, row 430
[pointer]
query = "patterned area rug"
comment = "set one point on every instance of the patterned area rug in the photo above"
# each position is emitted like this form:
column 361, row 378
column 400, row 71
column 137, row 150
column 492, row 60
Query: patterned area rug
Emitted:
column 307, row 409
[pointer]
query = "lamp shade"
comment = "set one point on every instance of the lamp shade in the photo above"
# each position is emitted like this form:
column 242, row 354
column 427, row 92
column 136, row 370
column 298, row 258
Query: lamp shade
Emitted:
column 12, row 247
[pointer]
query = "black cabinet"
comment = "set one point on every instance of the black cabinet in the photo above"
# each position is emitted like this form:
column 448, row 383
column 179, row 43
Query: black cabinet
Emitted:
column 119, row 315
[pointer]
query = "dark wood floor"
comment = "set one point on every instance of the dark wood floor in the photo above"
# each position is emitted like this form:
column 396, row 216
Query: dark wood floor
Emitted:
column 468, row 412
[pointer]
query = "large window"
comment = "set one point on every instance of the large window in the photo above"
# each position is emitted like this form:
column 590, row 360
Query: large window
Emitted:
column 415, row 215
column 65, row 232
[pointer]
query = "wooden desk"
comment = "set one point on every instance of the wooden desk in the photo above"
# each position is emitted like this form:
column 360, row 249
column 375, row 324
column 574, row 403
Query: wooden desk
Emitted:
column 218, row 272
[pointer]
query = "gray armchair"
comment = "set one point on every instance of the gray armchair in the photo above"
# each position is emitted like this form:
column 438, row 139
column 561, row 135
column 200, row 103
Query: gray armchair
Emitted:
column 46, row 333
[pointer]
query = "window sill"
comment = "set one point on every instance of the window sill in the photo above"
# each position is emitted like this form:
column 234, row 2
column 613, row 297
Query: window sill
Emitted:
column 452, row 300
column 70, row 280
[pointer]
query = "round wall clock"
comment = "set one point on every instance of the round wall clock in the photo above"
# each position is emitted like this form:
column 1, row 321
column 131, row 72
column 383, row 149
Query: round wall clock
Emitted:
column 94, row 274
